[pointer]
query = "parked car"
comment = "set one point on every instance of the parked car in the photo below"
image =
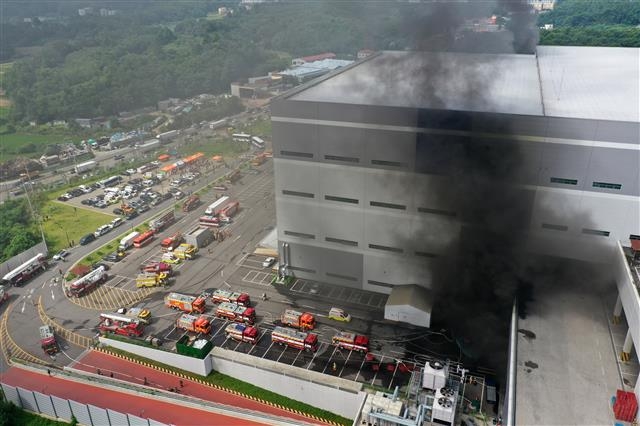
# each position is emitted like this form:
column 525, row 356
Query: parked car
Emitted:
column 118, row 211
column 102, row 230
column 116, row 222
column 132, row 215
column 119, row 157
column 268, row 262
column 116, row 256
column 87, row 239
column 101, row 204
column 65, row 197
column 87, row 202
column 143, row 208
column 60, row 255
column 99, row 264
column 220, row 188
column 131, row 171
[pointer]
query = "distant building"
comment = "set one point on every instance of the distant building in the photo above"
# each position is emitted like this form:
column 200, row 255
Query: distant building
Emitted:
column 48, row 160
column 542, row 5
column 306, row 59
column 108, row 12
column 85, row 11
column 223, row 11
column 311, row 70
column 364, row 53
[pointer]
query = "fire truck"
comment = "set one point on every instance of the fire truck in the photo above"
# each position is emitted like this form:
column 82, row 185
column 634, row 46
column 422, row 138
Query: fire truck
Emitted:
column 26, row 271
column 229, row 211
column 48, row 341
column 220, row 296
column 209, row 221
column 185, row 303
column 163, row 221
column 242, row 333
column 191, row 203
column 185, row 251
column 235, row 312
column 258, row 159
column 193, row 323
column 157, row 267
column 150, row 279
column 170, row 243
column 232, row 176
column 351, row 341
column 295, row 339
column 300, row 320
column 118, row 324
column 141, row 314
column 84, row 284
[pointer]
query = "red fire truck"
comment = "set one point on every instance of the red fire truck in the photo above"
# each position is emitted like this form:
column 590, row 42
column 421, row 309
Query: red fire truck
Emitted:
column 295, row 319
column 220, row 296
column 235, row 312
column 295, row 339
column 242, row 333
column 118, row 324
column 351, row 341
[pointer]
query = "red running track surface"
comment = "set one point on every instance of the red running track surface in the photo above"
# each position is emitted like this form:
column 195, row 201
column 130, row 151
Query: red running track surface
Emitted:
column 160, row 411
column 135, row 373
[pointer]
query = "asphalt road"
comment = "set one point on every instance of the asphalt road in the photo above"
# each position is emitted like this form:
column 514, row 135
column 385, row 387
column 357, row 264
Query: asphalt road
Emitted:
column 230, row 264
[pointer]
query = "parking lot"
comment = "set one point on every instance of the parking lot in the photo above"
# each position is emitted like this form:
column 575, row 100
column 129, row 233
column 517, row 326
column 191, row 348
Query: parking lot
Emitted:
column 230, row 264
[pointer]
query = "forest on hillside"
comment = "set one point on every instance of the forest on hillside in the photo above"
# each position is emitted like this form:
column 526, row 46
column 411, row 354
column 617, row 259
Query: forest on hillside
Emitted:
column 613, row 23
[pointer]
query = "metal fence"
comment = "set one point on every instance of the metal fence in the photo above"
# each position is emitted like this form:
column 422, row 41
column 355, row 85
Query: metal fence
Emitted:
column 64, row 409
column 19, row 259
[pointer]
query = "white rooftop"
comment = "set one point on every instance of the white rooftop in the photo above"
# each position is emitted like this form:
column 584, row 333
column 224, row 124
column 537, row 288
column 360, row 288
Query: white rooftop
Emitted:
column 577, row 82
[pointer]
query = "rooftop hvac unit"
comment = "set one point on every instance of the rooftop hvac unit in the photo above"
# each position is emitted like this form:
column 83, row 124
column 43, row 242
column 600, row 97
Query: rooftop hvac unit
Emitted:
column 435, row 375
column 444, row 406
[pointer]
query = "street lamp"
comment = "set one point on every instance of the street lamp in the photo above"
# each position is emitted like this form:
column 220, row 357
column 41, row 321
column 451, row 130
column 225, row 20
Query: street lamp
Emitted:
column 65, row 233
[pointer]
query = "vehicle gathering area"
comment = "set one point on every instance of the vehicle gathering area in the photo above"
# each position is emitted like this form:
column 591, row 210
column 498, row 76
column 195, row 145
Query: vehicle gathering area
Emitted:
column 229, row 263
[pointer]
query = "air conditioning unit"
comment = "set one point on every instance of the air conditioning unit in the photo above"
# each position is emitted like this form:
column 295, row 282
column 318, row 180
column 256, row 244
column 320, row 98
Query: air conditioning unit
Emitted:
column 435, row 375
column 444, row 406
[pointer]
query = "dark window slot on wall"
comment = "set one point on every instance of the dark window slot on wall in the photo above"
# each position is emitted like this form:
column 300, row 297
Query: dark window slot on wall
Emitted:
column 342, row 277
column 300, row 235
column 437, row 211
column 298, row 193
column 564, row 181
column 343, row 242
column 607, row 185
column 388, row 205
column 595, row 232
column 298, row 268
column 386, row 248
column 555, row 227
column 380, row 283
column 297, row 154
column 341, row 199
column 340, row 158
column 388, row 163
column 425, row 254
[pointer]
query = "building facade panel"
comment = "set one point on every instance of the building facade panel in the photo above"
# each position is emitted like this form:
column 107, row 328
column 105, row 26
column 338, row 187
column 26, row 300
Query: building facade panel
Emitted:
column 614, row 171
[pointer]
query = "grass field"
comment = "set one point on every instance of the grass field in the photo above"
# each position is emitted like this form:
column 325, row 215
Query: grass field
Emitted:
column 214, row 146
column 67, row 223
column 10, row 144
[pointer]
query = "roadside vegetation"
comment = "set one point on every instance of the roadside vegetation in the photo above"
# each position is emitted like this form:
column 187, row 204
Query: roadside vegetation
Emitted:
column 228, row 382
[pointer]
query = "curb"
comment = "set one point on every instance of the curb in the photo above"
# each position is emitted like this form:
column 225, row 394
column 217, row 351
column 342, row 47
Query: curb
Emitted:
column 218, row 387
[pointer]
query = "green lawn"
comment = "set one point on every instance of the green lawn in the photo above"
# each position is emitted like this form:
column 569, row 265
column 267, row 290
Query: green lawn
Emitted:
column 69, row 221
column 258, row 128
column 213, row 146
column 12, row 143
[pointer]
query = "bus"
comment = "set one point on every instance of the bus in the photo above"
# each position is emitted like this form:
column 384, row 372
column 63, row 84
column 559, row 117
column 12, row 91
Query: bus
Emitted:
column 26, row 271
column 241, row 137
column 215, row 208
column 110, row 181
column 143, row 239
column 257, row 142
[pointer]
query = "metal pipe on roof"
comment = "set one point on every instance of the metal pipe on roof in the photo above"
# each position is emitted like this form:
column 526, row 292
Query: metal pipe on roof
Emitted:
column 512, row 368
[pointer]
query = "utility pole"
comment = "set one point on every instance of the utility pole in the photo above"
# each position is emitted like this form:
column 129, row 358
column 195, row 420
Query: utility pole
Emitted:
column 33, row 213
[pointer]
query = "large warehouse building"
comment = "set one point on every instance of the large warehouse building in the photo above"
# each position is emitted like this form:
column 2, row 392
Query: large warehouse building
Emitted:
column 359, row 180
column 362, row 183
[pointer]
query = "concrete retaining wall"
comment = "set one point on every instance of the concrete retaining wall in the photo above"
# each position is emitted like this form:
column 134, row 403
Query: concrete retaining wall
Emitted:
column 201, row 367
column 339, row 396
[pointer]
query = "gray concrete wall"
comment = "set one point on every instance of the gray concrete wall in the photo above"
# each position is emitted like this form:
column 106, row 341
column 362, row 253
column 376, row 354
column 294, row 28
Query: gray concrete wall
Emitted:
column 339, row 396
column 194, row 365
